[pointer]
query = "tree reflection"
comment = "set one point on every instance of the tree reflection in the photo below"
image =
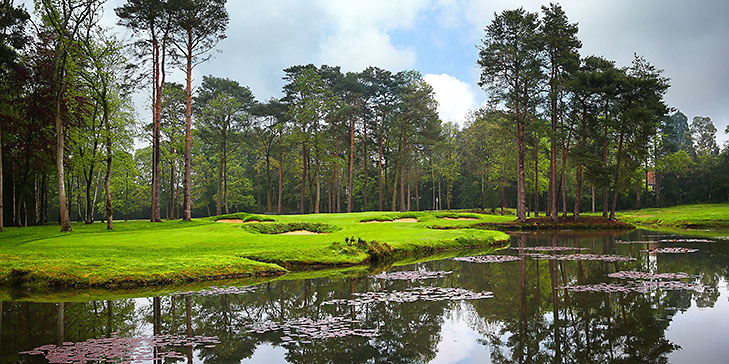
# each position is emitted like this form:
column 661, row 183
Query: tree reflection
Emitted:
column 531, row 320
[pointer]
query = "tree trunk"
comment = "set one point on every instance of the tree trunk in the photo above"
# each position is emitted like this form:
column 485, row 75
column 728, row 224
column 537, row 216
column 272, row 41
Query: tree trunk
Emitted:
column 96, row 194
column 173, row 190
column 351, row 165
column 78, row 198
column 1, row 180
column 364, row 165
column 617, row 174
column 417, row 190
column 269, row 207
column 279, row 209
column 593, row 198
column 578, row 189
column 536, row 174
column 89, row 179
column 432, row 176
column 225, row 178
column 403, row 168
column 60, row 142
column 409, row 191
column 187, row 202
column 303, row 177
column 317, row 179
column 379, row 166
column 219, row 198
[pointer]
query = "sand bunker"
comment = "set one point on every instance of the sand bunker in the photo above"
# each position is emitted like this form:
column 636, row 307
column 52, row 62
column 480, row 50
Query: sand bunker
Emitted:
column 231, row 221
column 408, row 219
column 299, row 232
column 460, row 218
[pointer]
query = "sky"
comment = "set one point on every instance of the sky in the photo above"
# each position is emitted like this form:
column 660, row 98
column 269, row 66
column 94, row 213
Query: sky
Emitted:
column 438, row 38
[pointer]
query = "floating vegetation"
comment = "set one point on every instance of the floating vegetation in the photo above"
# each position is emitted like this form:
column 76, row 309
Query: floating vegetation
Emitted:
column 119, row 349
column 686, row 241
column 215, row 291
column 303, row 330
column 549, row 248
column 644, row 275
column 670, row 250
column 412, row 295
column 596, row 257
column 665, row 241
column 488, row 259
column 411, row 275
column 638, row 286
column 721, row 237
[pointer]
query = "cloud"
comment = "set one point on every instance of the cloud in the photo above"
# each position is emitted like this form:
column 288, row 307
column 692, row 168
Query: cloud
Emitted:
column 455, row 97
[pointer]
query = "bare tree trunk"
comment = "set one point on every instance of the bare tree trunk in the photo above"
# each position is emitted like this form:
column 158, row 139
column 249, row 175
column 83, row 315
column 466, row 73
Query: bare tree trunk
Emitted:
column 536, row 174
column 187, row 183
column 280, row 182
column 417, row 190
column 303, row 178
column 351, row 166
column 409, row 198
column 1, row 184
column 593, row 198
column 60, row 142
column 617, row 175
column 578, row 190
column 379, row 167
column 432, row 176
column 269, row 207
column 219, row 197
column 317, row 179
column 96, row 194
column 364, row 166
column 403, row 168
column 225, row 179
column 78, row 198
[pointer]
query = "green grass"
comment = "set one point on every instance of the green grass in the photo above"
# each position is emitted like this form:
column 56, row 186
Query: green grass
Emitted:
column 140, row 253
column 710, row 216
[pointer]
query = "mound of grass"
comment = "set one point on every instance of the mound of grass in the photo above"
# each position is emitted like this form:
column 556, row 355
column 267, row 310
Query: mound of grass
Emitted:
column 140, row 253
column 394, row 216
column 243, row 216
column 281, row 228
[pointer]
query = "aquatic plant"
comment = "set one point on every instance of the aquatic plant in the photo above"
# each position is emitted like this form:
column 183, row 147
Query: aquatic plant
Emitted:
column 411, row 275
column 548, row 248
column 593, row 257
column 121, row 349
column 675, row 250
column 412, row 295
column 488, row 259
column 303, row 330
column 644, row 275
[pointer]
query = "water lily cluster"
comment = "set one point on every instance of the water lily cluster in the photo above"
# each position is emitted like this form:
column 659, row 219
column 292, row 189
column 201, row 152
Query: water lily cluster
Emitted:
column 121, row 349
column 303, row 330
column 488, row 259
column 675, row 250
column 412, row 295
column 592, row 257
column 411, row 275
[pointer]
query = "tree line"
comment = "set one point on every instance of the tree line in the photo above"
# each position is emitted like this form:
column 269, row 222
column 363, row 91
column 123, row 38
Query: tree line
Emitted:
column 561, row 131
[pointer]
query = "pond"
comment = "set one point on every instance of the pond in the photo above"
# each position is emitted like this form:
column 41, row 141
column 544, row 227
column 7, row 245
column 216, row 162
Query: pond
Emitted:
column 618, row 297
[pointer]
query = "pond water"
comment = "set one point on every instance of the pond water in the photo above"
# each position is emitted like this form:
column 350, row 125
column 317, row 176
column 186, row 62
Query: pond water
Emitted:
column 531, row 308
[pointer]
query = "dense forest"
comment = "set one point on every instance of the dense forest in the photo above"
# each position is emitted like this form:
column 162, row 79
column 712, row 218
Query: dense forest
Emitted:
column 563, row 133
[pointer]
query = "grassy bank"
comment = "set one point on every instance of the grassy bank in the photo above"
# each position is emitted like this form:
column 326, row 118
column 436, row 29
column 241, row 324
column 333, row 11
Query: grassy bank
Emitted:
column 709, row 216
column 140, row 253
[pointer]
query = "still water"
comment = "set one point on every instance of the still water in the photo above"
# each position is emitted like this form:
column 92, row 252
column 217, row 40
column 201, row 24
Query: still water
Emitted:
column 528, row 316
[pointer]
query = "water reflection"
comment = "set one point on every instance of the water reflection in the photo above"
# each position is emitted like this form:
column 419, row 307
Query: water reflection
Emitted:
column 529, row 320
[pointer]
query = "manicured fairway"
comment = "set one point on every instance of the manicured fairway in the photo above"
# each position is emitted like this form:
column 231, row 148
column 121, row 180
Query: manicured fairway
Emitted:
column 139, row 252
column 684, row 216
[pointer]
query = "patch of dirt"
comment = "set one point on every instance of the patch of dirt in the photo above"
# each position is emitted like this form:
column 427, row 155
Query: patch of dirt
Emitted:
column 300, row 232
column 460, row 218
column 408, row 219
